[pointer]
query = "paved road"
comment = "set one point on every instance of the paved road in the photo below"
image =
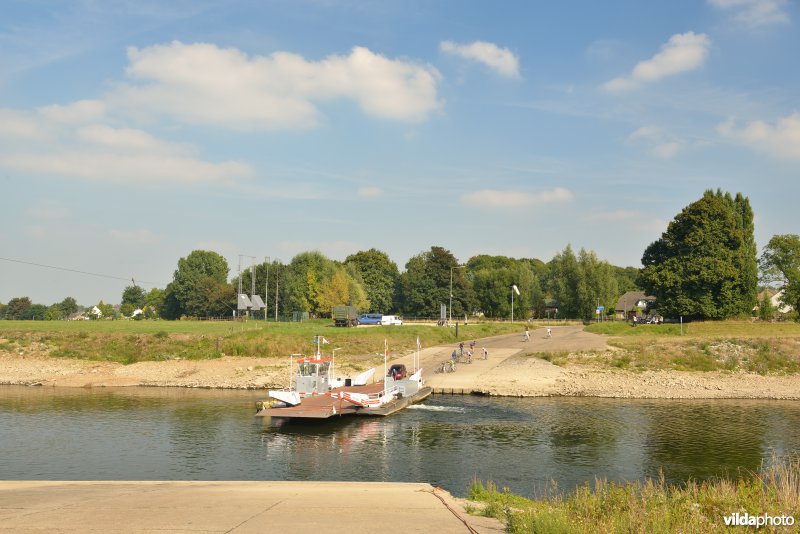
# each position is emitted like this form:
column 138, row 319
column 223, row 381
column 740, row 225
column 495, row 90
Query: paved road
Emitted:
column 237, row 507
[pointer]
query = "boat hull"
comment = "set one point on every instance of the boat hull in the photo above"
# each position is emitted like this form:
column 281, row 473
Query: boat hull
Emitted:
column 326, row 407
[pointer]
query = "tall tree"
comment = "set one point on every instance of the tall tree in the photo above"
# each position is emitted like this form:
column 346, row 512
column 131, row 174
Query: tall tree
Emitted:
column 68, row 306
column 492, row 278
column 780, row 263
column 701, row 267
column 134, row 295
column 425, row 284
column 17, row 308
column 380, row 276
column 197, row 286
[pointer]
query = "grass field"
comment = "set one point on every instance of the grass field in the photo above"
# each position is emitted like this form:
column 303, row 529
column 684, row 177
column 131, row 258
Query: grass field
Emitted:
column 648, row 507
column 756, row 347
column 133, row 341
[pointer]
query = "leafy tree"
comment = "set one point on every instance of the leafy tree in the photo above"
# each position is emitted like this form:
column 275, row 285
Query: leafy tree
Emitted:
column 17, row 308
column 127, row 309
column 492, row 278
column 199, row 287
column 154, row 302
column 135, row 296
column 379, row 275
column 35, row 312
column 780, row 263
column 766, row 311
column 580, row 283
column 425, row 284
column 702, row 265
column 2, row 311
column 54, row 313
column 68, row 306
column 626, row 279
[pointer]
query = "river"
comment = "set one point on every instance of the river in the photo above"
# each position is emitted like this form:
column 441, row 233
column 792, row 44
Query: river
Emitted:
column 181, row 434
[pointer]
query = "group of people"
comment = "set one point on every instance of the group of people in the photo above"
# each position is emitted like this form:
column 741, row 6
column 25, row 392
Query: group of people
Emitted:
column 527, row 336
column 456, row 356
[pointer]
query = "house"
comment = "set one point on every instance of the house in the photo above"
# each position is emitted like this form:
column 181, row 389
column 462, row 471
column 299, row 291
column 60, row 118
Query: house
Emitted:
column 775, row 299
column 627, row 304
column 96, row 312
column 77, row 316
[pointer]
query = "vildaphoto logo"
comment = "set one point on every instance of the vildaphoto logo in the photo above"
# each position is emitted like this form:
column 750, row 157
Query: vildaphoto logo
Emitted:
column 758, row 521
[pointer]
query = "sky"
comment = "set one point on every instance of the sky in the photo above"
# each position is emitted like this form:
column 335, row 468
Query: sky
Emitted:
column 134, row 131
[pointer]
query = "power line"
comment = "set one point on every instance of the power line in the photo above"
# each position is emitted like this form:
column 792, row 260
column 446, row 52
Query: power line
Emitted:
column 99, row 275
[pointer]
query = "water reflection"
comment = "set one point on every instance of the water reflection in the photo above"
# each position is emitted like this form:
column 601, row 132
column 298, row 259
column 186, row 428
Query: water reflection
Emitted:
column 521, row 443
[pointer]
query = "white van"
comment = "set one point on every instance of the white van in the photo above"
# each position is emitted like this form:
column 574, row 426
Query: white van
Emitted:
column 391, row 320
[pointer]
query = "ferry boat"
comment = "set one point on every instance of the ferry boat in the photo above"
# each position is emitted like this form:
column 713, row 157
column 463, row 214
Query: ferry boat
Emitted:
column 314, row 393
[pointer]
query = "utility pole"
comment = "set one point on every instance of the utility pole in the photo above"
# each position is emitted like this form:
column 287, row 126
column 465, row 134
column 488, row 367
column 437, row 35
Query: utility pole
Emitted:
column 276, row 290
column 266, row 290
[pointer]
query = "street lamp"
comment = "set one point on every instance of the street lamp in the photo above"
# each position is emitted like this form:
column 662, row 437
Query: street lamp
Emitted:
column 514, row 289
column 450, row 309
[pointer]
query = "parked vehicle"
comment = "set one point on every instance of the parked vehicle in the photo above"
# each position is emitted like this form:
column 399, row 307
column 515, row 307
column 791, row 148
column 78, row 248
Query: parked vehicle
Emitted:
column 391, row 320
column 398, row 371
column 345, row 316
column 370, row 318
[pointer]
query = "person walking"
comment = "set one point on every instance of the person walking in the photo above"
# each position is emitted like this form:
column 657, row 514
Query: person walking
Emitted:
column 485, row 354
column 527, row 334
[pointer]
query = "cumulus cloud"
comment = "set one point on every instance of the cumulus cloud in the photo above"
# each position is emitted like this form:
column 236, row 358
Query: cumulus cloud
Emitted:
column 15, row 125
column 754, row 12
column 781, row 139
column 501, row 60
column 494, row 198
column 203, row 83
column 99, row 152
column 81, row 111
column 683, row 52
column 370, row 192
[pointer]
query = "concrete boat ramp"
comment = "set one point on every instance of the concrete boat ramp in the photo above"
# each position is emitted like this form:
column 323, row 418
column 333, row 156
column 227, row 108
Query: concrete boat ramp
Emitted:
column 237, row 507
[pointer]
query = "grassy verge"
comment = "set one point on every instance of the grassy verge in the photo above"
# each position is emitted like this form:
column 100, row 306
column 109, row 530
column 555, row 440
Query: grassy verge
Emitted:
column 763, row 348
column 651, row 506
column 133, row 341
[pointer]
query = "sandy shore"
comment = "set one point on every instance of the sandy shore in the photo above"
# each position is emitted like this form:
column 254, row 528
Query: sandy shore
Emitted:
column 510, row 370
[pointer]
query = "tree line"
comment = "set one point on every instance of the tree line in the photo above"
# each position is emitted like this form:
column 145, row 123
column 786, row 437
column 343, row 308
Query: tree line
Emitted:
column 704, row 266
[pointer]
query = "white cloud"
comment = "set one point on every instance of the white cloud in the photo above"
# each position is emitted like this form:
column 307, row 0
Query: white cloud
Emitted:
column 202, row 83
column 15, row 125
column 135, row 237
column 154, row 169
column 755, row 12
column 39, row 144
column 370, row 192
column 683, row 52
column 514, row 199
column 501, row 60
column 128, row 139
column 81, row 111
column 666, row 150
column 781, row 139
column 645, row 132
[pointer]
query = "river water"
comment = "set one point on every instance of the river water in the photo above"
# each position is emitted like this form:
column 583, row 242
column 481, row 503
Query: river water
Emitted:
column 179, row 434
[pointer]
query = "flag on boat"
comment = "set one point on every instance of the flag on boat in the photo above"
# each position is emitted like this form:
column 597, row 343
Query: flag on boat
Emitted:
column 386, row 347
column 324, row 341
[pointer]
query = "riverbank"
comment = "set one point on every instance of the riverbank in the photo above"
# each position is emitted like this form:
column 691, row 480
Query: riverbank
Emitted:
column 241, row 507
column 510, row 370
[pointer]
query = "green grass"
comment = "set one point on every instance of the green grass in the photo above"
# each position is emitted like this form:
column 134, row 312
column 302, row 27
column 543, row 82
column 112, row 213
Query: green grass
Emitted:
column 649, row 506
column 133, row 341
column 755, row 347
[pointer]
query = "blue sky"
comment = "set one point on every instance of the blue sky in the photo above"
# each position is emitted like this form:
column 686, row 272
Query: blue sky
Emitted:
column 133, row 132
